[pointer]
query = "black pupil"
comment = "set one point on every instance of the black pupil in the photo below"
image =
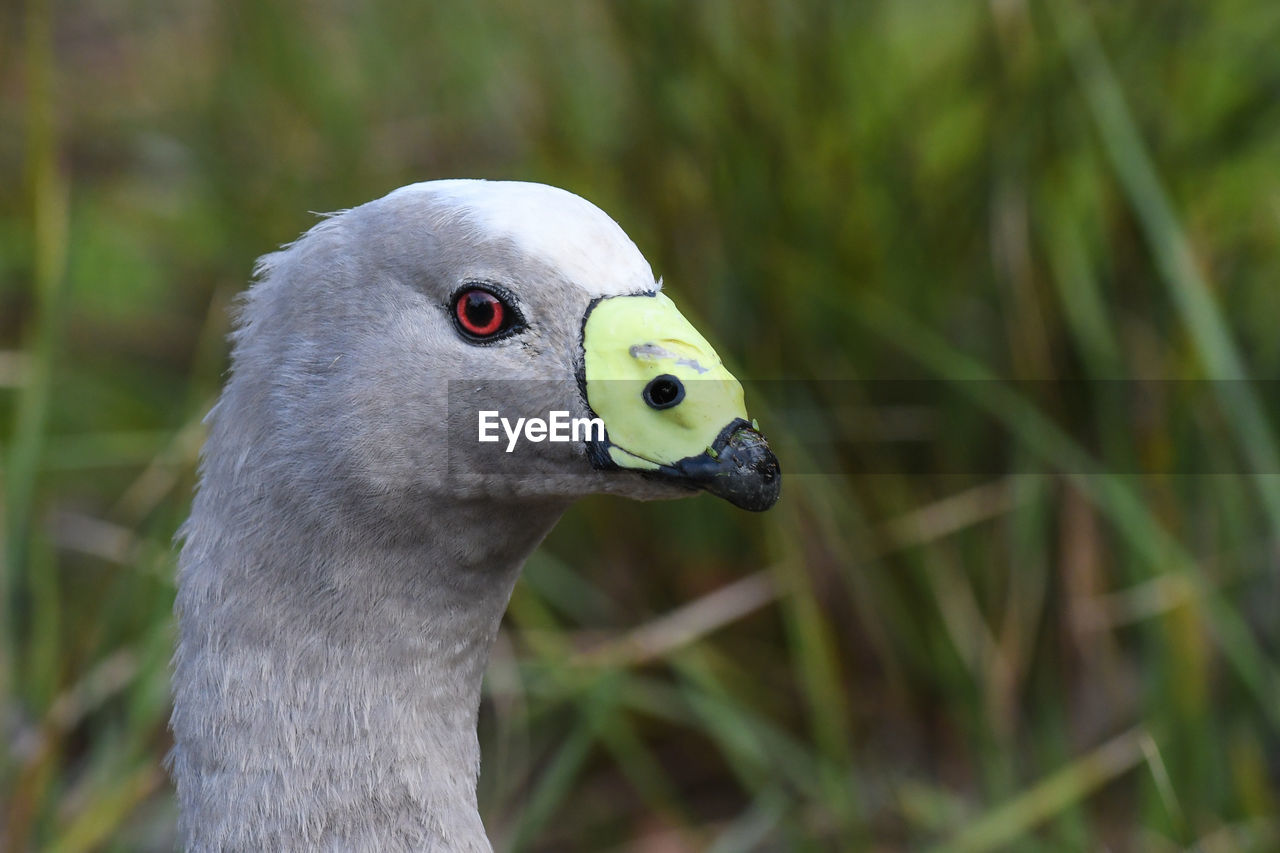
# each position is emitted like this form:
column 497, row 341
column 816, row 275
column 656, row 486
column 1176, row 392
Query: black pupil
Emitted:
column 479, row 309
column 664, row 392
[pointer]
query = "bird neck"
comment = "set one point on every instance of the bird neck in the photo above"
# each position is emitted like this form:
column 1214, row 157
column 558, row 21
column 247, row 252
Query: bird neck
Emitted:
column 327, row 680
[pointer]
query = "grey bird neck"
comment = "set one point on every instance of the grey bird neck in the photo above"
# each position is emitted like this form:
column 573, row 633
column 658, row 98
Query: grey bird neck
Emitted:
column 328, row 680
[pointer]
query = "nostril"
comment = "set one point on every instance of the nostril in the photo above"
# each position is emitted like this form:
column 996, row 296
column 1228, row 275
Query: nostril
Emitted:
column 664, row 391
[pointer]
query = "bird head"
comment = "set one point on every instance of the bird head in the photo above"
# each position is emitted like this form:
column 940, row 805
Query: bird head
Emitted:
column 393, row 333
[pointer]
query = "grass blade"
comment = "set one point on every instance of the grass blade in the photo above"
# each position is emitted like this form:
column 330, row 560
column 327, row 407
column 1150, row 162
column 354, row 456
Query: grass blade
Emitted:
column 1171, row 251
column 1069, row 785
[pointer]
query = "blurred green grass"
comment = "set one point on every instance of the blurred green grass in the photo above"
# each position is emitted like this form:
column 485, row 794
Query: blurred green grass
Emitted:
column 1069, row 657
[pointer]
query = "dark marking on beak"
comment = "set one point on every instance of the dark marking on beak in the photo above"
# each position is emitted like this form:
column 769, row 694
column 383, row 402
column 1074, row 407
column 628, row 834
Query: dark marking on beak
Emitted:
column 738, row 467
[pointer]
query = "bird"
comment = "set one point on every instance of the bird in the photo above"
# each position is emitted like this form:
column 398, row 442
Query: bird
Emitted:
column 352, row 543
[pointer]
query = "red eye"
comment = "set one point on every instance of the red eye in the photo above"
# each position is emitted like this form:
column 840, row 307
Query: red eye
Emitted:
column 480, row 314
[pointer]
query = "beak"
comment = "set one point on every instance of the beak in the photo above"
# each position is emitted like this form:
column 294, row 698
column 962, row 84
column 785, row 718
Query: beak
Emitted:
column 670, row 408
column 739, row 467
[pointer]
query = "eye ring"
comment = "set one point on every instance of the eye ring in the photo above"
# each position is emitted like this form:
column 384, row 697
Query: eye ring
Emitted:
column 483, row 314
column 663, row 392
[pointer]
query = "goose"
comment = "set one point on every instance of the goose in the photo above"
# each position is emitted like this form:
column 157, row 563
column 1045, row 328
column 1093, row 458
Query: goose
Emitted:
column 352, row 543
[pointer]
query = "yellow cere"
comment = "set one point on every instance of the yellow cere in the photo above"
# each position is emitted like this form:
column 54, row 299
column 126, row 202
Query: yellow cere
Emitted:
column 628, row 341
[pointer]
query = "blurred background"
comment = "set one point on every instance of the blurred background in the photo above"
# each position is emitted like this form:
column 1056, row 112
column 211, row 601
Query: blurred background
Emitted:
column 1019, row 606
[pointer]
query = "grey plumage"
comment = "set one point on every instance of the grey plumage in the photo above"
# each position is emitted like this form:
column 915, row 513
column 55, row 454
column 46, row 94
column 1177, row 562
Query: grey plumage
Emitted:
column 340, row 585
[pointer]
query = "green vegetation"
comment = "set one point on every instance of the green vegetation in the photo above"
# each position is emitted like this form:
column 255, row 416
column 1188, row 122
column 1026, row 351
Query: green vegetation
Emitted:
column 1079, row 648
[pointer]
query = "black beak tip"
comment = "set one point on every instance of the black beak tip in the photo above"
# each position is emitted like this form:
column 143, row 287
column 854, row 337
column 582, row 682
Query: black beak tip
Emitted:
column 738, row 467
column 755, row 488
column 747, row 474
